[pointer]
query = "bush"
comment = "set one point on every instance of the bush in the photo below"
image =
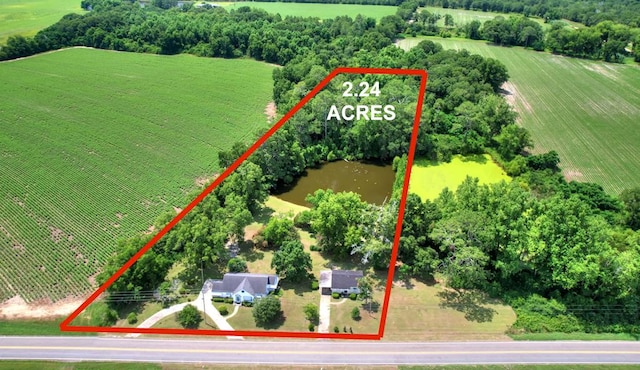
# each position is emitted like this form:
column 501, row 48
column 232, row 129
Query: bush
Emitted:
column 267, row 310
column 189, row 317
column 312, row 313
column 303, row 221
column 102, row 315
column 353, row 296
column 311, row 327
column 247, row 304
column 315, row 285
column 315, row 248
column 355, row 313
column 237, row 264
column 228, row 300
column 336, row 329
column 335, row 295
column 224, row 311
column 218, row 299
column 132, row 318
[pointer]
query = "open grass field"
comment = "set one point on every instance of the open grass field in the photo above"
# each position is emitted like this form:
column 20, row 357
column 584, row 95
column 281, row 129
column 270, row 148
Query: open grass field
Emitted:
column 87, row 158
column 429, row 178
column 322, row 11
column 421, row 312
column 587, row 111
column 463, row 16
column 27, row 17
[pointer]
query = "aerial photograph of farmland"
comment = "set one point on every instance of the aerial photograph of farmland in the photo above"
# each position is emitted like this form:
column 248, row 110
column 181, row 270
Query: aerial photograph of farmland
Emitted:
column 375, row 222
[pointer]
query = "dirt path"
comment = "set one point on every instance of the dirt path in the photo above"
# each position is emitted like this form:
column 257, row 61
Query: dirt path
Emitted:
column 17, row 308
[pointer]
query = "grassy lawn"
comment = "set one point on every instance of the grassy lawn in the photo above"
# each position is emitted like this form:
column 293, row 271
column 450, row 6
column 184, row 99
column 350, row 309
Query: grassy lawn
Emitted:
column 61, row 128
column 428, row 312
column 27, row 17
column 323, row 11
column 587, row 111
column 368, row 323
column 429, row 178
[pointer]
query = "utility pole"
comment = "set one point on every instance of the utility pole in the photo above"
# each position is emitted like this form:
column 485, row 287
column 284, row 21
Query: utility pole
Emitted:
column 204, row 308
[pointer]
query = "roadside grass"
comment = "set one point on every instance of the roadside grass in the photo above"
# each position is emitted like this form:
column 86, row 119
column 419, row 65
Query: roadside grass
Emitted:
column 429, row 178
column 83, row 365
column 524, row 367
column 282, row 207
column 27, row 17
column 588, row 111
column 61, row 128
column 36, row 328
column 575, row 336
column 421, row 312
column 322, row 11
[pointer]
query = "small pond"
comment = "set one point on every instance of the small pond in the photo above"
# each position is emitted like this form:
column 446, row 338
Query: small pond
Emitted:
column 372, row 181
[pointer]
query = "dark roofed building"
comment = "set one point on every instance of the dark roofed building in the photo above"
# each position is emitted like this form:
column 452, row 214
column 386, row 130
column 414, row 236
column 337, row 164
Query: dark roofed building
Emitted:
column 343, row 282
column 243, row 287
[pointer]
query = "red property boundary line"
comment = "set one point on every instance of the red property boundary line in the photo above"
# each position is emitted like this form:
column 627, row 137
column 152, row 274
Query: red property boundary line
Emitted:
column 65, row 325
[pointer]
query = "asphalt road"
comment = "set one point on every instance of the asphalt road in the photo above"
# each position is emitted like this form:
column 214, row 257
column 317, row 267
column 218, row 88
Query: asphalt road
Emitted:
column 319, row 352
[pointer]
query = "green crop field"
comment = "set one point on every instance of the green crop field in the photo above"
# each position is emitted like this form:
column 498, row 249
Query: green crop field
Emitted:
column 95, row 144
column 27, row 17
column 428, row 179
column 323, row 11
column 462, row 16
column 587, row 111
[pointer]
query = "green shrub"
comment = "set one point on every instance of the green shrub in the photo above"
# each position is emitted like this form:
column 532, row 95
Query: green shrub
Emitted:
column 336, row 329
column 315, row 248
column 315, row 285
column 189, row 317
column 335, row 295
column 353, row 296
column 311, row 327
column 217, row 299
column 247, row 304
column 312, row 313
column 355, row 313
column 303, row 221
column 132, row 318
column 228, row 300
column 224, row 311
column 237, row 264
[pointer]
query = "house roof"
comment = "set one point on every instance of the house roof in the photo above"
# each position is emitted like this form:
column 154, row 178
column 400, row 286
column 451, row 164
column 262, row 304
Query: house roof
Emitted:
column 345, row 279
column 250, row 283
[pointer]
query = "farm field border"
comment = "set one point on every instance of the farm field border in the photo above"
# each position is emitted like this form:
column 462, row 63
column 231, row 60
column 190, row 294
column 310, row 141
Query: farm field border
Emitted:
column 89, row 160
column 587, row 111
column 323, row 11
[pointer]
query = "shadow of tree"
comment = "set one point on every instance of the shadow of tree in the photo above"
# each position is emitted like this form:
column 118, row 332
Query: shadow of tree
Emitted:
column 468, row 302
column 249, row 252
column 299, row 288
column 371, row 307
column 275, row 324
column 263, row 215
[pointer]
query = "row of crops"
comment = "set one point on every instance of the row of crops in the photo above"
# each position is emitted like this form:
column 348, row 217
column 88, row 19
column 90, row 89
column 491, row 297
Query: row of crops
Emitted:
column 89, row 158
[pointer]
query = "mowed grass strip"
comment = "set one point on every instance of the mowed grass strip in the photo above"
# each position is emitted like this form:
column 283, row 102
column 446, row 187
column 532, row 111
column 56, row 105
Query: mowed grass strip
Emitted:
column 27, row 17
column 322, row 11
column 94, row 145
column 587, row 111
column 429, row 178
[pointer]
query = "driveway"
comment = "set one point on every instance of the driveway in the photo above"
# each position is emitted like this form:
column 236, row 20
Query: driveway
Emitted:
column 325, row 314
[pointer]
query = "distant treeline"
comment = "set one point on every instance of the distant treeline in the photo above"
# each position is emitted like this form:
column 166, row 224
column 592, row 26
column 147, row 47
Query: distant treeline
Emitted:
column 606, row 40
column 587, row 12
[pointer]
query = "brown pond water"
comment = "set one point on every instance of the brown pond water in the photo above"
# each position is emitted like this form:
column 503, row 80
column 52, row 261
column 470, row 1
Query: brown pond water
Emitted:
column 372, row 181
